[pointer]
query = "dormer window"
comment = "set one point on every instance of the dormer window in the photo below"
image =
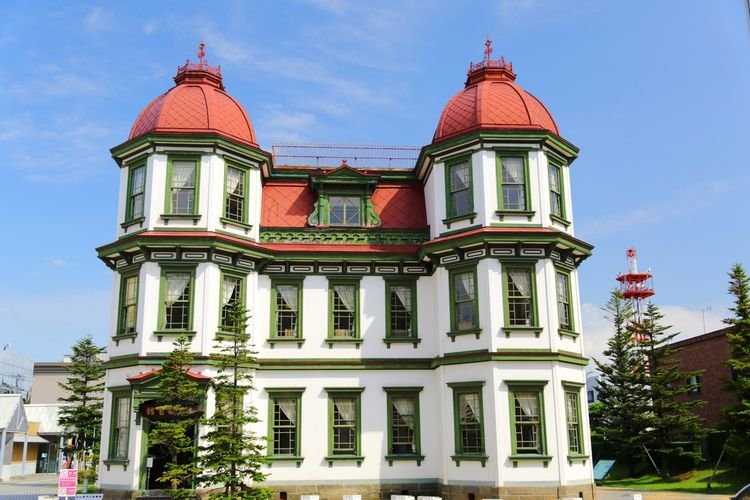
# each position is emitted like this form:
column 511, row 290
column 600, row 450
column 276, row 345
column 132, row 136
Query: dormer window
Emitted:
column 345, row 211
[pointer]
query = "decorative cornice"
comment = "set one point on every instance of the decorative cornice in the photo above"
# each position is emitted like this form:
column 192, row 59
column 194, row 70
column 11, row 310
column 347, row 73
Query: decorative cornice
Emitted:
column 343, row 236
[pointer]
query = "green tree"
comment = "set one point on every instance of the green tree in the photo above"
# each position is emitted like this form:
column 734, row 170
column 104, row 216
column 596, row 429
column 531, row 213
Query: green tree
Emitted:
column 177, row 435
column 81, row 417
column 671, row 421
column 623, row 391
column 233, row 454
column 737, row 417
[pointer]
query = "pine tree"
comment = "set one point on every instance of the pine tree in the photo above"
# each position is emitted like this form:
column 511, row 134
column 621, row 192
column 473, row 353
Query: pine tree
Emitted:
column 233, row 454
column 81, row 417
column 622, row 389
column 177, row 435
column 738, row 416
column 670, row 417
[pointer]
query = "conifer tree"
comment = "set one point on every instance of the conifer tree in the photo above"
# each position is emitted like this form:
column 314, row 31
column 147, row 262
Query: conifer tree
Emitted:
column 670, row 418
column 233, row 455
column 178, row 434
column 622, row 387
column 81, row 417
column 738, row 416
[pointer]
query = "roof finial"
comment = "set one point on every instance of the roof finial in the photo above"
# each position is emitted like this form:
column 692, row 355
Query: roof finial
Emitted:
column 487, row 49
column 202, row 53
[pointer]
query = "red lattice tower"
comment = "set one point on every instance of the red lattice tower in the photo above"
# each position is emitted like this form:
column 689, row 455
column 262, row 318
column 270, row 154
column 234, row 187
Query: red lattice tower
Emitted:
column 636, row 287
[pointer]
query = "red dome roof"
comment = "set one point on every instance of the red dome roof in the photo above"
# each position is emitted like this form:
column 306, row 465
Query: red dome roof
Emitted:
column 198, row 104
column 492, row 100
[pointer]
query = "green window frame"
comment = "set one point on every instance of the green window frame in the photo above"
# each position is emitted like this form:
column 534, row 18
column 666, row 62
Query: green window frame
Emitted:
column 345, row 210
column 285, row 424
column 343, row 311
column 182, row 188
column 119, row 432
column 464, row 302
column 459, row 190
column 176, row 301
column 235, row 194
column 403, row 424
column 556, row 193
column 286, row 311
column 232, row 290
column 401, row 311
column 528, row 429
column 128, row 310
column 135, row 202
column 573, row 420
column 564, row 298
column 513, row 190
column 520, row 312
column 468, row 422
column 344, row 425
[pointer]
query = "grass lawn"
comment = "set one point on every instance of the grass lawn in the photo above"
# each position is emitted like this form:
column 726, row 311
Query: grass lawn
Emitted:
column 726, row 481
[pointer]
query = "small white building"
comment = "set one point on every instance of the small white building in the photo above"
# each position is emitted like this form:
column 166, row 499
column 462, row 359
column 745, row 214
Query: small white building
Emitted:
column 417, row 326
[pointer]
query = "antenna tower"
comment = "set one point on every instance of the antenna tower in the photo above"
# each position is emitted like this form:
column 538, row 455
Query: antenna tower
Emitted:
column 635, row 286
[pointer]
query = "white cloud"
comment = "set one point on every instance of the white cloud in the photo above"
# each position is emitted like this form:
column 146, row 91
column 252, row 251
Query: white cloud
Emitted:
column 280, row 125
column 149, row 27
column 597, row 329
column 57, row 262
column 97, row 19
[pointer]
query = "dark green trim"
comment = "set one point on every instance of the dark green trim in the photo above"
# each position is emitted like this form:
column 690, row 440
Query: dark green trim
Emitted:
column 475, row 328
column 564, row 222
column 575, row 389
column 527, row 209
column 285, row 393
column 537, row 387
column 273, row 336
column 459, row 389
column 168, row 208
column 242, row 222
column 450, row 220
column 337, row 235
column 127, row 224
column 509, row 265
column 413, row 336
column 355, row 338
column 562, row 216
column 568, row 329
column 458, row 231
column 233, row 273
column 162, row 331
column 344, row 182
column 229, row 222
column 450, row 210
column 116, row 396
column 129, row 219
column 120, row 334
column 354, row 393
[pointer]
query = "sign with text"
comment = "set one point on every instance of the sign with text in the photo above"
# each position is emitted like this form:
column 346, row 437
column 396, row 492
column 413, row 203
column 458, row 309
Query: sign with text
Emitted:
column 67, row 483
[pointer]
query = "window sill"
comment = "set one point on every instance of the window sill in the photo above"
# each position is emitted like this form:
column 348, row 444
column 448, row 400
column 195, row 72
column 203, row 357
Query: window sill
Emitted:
column 531, row 457
column 577, row 458
column 343, row 340
column 124, row 462
column 562, row 332
column 404, row 458
column 282, row 458
column 559, row 220
column 474, row 331
column 124, row 336
column 286, row 340
column 168, row 217
column 501, row 214
column 231, row 222
column 469, row 458
column 344, row 458
column 536, row 330
column 402, row 340
column 173, row 333
column 457, row 218
column 132, row 222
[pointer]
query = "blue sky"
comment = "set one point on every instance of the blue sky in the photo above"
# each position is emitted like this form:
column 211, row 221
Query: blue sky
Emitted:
column 654, row 93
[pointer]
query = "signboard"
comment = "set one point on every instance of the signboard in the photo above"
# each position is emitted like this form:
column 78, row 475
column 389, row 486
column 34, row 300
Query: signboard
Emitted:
column 157, row 411
column 67, row 483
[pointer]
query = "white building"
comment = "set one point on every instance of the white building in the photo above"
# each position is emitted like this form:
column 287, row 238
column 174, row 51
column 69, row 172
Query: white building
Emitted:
column 417, row 328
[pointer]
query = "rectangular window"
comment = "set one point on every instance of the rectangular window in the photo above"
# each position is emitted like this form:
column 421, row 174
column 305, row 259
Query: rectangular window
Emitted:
column 459, row 189
column 513, row 182
column 468, row 421
column 556, row 206
column 344, row 211
column 182, row 187
column 344, row 309
column 464, row 309
column 573, row 418
column 177, row 296
column 694, row 381
column 234, row 194
column 527, row 414
column 118, row 446
column 519, row 296
column 344, row 416
column 128, row 304
column 232, row 293
column 136, row 192
column 401, row 310
column 287, row 302
column 403, row 423
column 564, row 312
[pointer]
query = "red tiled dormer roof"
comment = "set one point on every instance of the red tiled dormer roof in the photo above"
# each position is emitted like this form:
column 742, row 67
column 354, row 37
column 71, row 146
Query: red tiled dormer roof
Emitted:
column 288, row 204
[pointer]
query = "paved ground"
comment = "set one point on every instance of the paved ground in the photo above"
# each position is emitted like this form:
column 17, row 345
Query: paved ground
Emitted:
column 29, row 487
column 622, row 494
